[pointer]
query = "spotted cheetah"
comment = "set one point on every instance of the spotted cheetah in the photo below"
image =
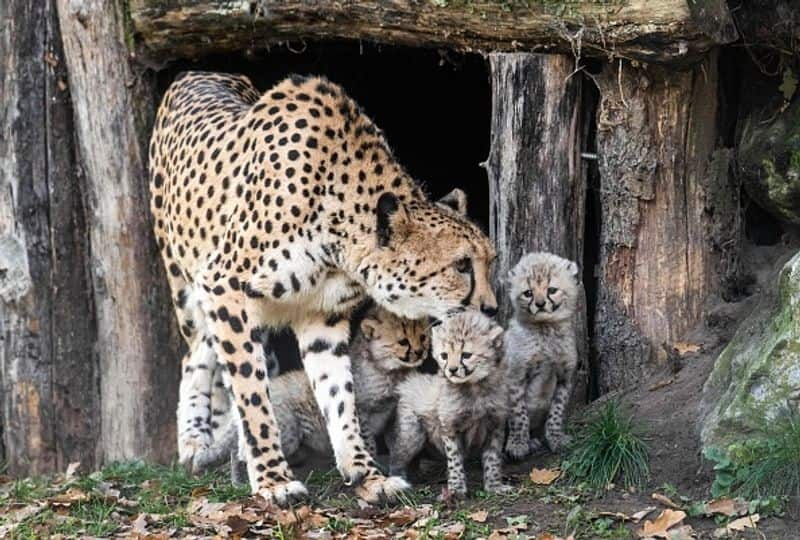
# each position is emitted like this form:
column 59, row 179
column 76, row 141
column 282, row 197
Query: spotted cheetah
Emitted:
column 384, row 351
column 462, row 408
column 288, row 208
column 541, row 348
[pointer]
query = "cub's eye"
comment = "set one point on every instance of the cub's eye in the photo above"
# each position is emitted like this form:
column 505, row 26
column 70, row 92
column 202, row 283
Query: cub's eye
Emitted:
column 552, row 290
column 463, row 265
column 528, row 293
column 403, row 342
column 444, row 356
column 466, row 355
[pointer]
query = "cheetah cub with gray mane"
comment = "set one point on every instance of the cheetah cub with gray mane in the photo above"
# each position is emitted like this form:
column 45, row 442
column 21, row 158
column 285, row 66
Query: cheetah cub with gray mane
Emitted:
column 462, row 408
column 540, row 349
column 383, row 352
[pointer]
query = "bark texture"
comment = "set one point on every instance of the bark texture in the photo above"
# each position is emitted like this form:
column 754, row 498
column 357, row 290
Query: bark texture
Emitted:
column 47, row 367
column 656, row 135
column 114, row 104
column 664, row 31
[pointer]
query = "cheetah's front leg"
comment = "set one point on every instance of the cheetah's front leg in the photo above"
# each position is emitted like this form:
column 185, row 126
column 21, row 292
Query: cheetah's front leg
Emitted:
column 456, row 475
column 237, row 349
column 518, row 446
column 194, row 401
column 554, row 426
column 492, row 462
column 324, row 349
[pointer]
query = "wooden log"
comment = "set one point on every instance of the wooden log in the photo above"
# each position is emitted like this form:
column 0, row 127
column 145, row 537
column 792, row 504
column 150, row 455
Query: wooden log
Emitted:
column 537, row 180
column 47, row 367
column 656, row 134
column 114, row 104
column 664, row 31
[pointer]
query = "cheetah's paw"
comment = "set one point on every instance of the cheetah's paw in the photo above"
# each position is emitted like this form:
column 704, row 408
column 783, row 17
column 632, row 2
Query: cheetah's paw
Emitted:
column 284, row 494
column 381, row 489
column 516, row 449
column 191, row 445
column 558, row 442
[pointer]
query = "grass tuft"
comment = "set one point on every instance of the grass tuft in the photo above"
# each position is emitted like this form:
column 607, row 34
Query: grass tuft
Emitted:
column 609, row 449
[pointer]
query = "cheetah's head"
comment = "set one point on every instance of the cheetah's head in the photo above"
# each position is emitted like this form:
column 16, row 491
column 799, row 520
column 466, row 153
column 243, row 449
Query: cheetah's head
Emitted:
column 429, row 259
column 467, row 346
column 395, row 343
column 543, row 288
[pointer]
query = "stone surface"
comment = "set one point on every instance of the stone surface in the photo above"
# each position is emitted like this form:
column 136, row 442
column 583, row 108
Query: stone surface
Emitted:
column 769, row 159
column 756, row 379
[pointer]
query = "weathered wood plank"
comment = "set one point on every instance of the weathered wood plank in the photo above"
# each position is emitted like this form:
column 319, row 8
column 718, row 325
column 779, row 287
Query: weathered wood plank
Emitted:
column 114, row 104
column 656, row 135
column 648, row 30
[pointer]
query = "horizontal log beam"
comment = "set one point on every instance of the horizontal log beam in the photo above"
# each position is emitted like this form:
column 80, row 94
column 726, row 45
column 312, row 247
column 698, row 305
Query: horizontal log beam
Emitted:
column 646, row 30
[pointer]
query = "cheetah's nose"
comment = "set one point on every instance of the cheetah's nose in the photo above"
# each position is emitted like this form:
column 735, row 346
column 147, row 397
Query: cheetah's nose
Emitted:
column 452, row 370
column 489, row 311
column 540, row 305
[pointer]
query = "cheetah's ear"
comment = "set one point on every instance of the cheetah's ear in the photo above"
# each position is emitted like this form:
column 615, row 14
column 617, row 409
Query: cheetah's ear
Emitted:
column 392, row 219
column 572, row 268
column 368, row 327
column 456, row 200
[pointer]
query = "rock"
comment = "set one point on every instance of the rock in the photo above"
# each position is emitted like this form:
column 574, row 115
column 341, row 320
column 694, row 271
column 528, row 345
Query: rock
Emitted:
column 756, row 379
column 769, row 159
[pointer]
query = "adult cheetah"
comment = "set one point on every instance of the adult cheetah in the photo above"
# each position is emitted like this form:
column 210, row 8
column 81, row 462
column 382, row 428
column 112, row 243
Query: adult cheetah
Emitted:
column 286, row 209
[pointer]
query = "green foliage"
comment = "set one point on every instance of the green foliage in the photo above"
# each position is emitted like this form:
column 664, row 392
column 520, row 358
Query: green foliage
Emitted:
column 768, row 466
column 609, row 449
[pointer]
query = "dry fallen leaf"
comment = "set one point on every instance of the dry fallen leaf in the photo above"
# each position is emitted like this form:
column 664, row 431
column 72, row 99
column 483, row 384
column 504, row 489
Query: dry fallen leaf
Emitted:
column 641, row 514
column 403, row 516
column 666, row 501
column 684, row 532
column 72, row 495
column 658, row 528
column 140, row 524
column 685, row 347
column 726, row 507
column 747, row 522
column 72, row 468
column 549, row 536
column 480, row 516
column 661, row 384
column 454, row 531
column 544, row 477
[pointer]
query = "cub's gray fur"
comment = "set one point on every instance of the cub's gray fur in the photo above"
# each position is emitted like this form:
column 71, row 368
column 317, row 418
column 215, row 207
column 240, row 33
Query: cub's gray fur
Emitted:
column 462, row 408
column 383, row 352
column 540, row 348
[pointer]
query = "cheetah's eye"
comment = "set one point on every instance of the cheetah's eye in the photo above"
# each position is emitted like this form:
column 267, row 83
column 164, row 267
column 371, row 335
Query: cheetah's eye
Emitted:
column 403, row 342
column 463, row 265
column 466, row 355
column 551, row 290
column 444, row 356
column 528, row 293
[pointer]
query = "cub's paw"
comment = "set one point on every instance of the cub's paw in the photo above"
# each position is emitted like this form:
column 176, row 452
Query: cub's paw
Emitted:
column 536, row 446
column 517, row 449
column 284, row 494
column 558, row 442
column 191, row 445
column 500, row 489
column 452, row 493
column 377, row 489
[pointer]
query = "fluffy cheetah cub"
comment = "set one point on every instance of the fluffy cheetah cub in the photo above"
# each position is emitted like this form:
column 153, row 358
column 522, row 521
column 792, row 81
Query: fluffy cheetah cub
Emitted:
column 383, row 352
column 460, row 409
column 540, row 348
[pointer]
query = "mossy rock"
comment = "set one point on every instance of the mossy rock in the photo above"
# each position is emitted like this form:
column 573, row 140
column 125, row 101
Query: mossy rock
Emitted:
column 769, row 160
column 756, row 379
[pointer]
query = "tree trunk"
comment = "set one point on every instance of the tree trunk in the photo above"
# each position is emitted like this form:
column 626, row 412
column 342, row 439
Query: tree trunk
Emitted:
column 664, row 31
column 537, row 180
column 656, row 131
column 114, row 105
column 47, row 367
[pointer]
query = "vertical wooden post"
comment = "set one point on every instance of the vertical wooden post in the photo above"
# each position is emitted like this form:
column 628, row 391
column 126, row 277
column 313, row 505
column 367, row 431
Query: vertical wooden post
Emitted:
column 48, row 371
column 656, row 132
column 114, row 105
column 536, row 178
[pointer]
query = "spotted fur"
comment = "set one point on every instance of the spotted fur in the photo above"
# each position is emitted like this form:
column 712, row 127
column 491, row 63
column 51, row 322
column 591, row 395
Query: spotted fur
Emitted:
column 287, row 208
column 540, row 348
column 462, row 408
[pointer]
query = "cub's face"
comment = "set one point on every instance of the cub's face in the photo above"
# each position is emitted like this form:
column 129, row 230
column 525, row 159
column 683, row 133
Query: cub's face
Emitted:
column 544, row 287
column 395, row 343
column 429, row 259
column 467, row 346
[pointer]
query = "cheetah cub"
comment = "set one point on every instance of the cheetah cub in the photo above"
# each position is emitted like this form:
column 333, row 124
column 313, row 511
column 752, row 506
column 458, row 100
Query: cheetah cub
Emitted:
column 383, row 352
column 462, row 408
column 540, row 349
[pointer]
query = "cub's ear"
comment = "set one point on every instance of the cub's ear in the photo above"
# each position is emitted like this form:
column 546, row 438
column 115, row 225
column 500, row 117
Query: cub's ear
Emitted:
column 572, row 268
column 392, row 219
column 368, row 327
column 456, row 200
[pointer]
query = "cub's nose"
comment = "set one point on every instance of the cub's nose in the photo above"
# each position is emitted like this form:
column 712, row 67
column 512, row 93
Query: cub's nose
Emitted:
column 452, row 370
column 489, row 311
column 540, row 305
